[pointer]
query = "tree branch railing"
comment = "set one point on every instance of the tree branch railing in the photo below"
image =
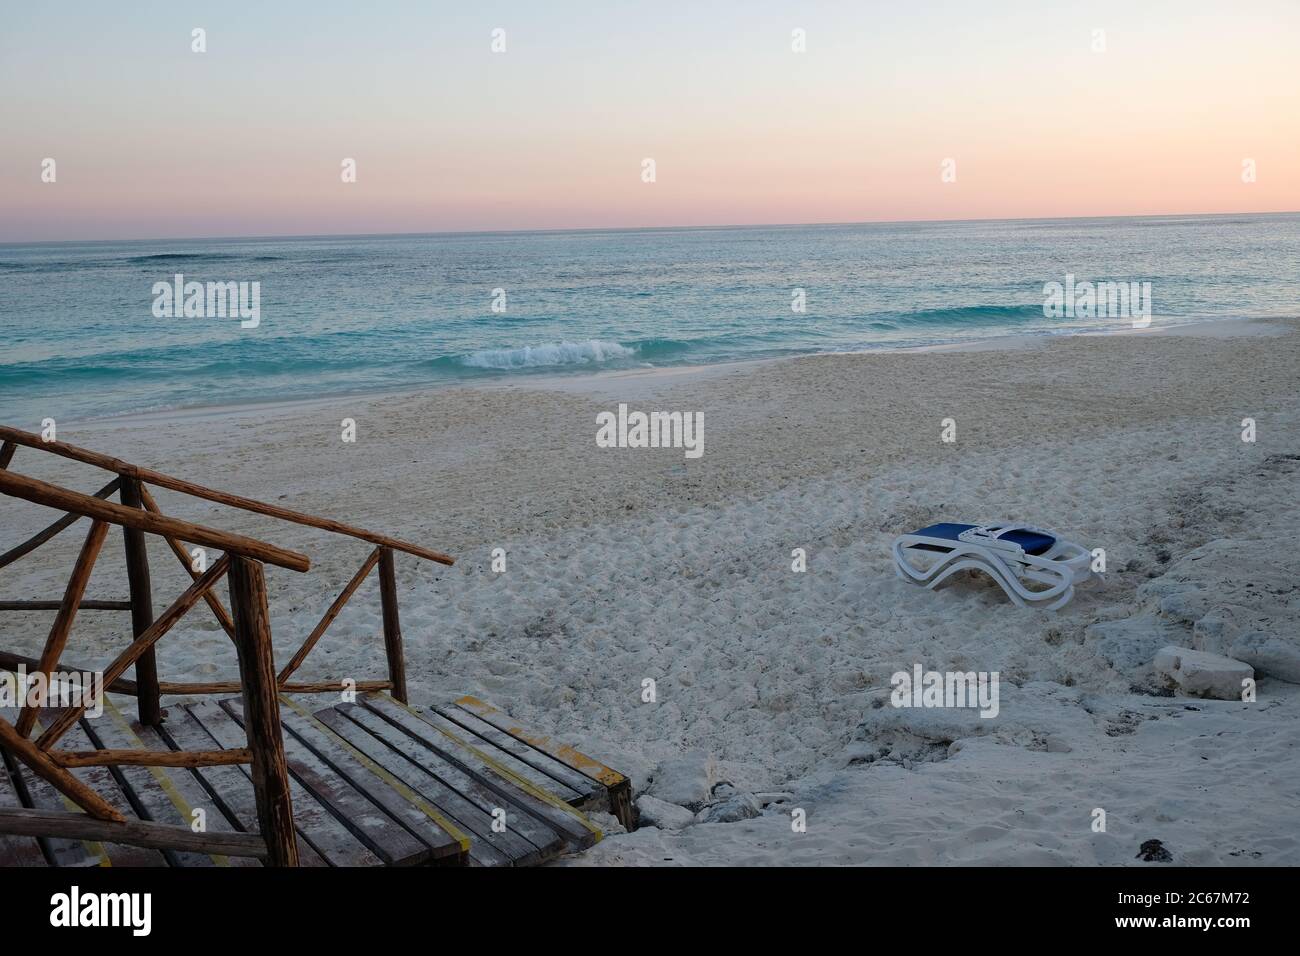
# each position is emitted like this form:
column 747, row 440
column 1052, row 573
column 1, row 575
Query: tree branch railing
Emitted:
column 241, row 561
column 38, row 539
column 139, row 647
column 178, row 549
column 160, row 480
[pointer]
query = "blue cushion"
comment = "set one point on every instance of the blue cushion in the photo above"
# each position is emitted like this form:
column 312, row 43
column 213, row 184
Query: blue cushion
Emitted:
column 1030, row 541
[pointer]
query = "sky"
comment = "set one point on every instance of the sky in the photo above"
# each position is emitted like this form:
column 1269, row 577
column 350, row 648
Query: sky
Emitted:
column 153, row 140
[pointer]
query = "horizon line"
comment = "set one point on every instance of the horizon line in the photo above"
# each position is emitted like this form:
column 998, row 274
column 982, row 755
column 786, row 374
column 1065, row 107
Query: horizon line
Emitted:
column 673, row 228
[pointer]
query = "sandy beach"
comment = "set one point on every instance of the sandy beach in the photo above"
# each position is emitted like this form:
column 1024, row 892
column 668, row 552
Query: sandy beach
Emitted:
column 624, row 565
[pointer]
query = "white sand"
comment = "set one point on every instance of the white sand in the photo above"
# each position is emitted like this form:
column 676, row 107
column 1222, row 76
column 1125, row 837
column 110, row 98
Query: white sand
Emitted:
column 632, row 564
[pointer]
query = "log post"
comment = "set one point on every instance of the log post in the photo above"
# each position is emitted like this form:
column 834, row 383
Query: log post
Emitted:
column 392, row 624
column 137, row 577
column 270, row 771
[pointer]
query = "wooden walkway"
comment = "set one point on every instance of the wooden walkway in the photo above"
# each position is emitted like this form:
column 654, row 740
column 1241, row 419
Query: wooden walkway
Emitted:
column 374, row 783
column 257, row 776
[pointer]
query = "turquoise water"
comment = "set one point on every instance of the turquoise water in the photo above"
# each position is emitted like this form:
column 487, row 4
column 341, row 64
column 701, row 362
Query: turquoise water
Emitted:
column 79, row 338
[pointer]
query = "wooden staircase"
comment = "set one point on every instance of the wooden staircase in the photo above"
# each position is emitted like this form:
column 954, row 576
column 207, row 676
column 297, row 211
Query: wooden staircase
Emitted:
column 260, row 776
column 373, row 783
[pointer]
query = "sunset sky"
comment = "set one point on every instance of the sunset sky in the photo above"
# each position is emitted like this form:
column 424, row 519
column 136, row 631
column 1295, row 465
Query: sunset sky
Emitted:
column 153, row 140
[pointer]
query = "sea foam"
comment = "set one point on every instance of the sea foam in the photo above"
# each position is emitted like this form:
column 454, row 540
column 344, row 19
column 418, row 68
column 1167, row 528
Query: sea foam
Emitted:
column 590, row 352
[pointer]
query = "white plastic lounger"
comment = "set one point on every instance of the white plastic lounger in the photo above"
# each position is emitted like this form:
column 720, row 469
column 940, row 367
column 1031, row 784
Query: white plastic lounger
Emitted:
column 1013, row 555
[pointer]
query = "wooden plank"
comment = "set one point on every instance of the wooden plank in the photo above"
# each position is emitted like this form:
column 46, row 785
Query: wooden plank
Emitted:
column 52, row 496
column 367, row 821
column 618, row 786
column 143, row 789
column 61, row 850
column 229, row 788
column 444, row 839
column 585, row 789
column 103, row 782
column 188, row 794
column 509, row 761
column 314, row 822
column 547, row 839
column 7, row 453
column 486, row 848
column 149, row 476
column 27, row 753
column 562, row 752
column 39, row 795
column 145, row 835
column 487, row 794
column 535, row 802
column 16, row 850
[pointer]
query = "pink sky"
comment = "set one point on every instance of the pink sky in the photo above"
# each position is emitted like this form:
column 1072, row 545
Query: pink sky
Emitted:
column 153, row 140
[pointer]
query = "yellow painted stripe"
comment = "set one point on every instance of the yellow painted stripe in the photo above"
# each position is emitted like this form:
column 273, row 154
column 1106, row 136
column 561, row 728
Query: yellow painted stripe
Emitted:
column 506, row 772
column 574, row 759
column 93, row 848
column 406, row 792
column 160, row 775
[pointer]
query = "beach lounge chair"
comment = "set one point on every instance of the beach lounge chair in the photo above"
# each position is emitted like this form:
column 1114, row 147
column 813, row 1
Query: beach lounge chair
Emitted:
column 1013, row 555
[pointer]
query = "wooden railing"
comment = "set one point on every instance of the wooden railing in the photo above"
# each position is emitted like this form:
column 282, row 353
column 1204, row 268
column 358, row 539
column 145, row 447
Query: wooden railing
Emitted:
column 247, row 623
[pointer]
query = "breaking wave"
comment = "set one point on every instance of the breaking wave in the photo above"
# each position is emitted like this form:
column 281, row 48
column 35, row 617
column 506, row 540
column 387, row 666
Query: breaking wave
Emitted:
column 590, row 352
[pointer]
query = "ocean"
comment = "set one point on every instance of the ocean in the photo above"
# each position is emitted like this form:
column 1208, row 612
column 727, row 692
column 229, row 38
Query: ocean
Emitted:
column 82, row 335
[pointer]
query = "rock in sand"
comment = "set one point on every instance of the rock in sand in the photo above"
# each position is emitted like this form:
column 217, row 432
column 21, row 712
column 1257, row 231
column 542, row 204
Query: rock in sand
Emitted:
column 1202, row 674
column 662, row 814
